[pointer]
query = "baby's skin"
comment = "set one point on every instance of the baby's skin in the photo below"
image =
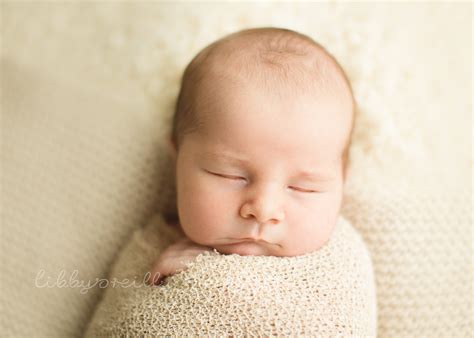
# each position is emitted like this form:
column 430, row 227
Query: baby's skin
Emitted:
column 174, row 258
column 264, row 172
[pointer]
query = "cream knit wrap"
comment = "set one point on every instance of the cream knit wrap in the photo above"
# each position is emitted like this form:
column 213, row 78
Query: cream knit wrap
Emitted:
column 327, row 292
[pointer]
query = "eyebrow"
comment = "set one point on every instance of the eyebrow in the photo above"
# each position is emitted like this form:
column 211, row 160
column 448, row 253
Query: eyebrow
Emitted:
column 309, row 174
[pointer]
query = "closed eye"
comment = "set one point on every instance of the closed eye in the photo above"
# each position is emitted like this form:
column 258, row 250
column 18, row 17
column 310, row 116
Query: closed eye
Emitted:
column 303, row 190
column 237, row 178
column 232, row 177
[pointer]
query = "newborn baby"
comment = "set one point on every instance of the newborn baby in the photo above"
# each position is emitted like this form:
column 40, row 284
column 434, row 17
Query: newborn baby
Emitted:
column 257, row 246
column 260, row 141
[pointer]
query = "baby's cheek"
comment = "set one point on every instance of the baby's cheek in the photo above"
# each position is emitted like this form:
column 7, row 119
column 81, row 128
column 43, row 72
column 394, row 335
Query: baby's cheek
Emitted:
column 203, row 216
column 302, row 233
column 311, row 225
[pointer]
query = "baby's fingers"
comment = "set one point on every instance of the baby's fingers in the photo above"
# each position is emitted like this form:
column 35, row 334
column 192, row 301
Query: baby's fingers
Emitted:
column 158, row 273
column 154, row 277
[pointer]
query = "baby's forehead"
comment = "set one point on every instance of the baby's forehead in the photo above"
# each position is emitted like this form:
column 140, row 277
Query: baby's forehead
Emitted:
column 266, row 114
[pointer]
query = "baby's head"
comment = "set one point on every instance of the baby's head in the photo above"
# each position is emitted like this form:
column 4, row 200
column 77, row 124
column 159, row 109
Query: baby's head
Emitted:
column 260, row 138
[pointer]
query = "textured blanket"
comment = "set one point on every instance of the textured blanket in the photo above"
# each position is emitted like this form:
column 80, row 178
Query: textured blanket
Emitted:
column 327, row 292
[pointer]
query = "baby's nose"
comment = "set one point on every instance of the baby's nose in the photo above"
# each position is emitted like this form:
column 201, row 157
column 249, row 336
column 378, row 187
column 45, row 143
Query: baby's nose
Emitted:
column 265, row 206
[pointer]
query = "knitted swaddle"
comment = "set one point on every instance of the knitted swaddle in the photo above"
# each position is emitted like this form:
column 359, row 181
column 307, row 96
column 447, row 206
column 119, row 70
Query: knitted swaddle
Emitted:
column 327, row 292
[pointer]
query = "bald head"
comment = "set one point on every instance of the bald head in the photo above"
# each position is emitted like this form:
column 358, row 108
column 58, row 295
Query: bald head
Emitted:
column 273, row 57
column 277, row 60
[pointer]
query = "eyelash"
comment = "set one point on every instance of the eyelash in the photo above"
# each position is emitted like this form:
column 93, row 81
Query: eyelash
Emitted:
column 235, row 178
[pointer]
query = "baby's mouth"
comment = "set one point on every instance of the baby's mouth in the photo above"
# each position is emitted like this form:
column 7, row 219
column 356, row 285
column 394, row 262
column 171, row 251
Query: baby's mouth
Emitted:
column 249, row 240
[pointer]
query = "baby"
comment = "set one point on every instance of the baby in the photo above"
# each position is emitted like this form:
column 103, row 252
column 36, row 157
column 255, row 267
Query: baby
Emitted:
column 260, row 143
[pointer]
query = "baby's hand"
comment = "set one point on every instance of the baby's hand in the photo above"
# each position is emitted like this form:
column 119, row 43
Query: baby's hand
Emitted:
column 174, row 258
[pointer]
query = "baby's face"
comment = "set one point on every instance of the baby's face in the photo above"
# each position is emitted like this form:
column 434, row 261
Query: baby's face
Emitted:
column 264, row 175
